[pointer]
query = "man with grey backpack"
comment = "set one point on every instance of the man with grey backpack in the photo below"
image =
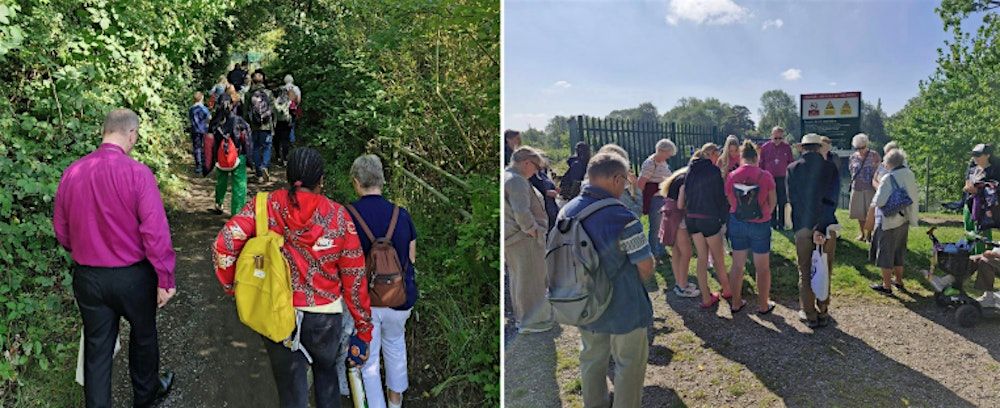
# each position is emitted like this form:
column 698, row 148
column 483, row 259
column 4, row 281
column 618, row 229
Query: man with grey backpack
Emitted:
column 594, row 279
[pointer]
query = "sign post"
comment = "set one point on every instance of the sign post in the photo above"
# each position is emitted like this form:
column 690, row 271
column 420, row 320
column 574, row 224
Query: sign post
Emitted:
column 834, row 115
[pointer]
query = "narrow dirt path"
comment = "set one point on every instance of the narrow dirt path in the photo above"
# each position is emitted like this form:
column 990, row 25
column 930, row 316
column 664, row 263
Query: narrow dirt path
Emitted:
column 902, row 351
column 218, row 361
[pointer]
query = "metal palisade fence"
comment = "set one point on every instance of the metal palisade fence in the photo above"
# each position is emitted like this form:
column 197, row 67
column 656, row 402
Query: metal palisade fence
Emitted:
column 639, row 138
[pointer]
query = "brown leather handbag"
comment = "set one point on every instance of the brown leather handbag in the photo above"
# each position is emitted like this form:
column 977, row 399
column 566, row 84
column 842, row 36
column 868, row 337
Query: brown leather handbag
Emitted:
column 386, row 287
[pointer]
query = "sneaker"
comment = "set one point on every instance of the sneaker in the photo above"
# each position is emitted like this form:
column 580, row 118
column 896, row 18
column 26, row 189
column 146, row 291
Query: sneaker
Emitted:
column 218, row 209
column 813, row 324
column 802, row 316
column 688, row 292
column 988, row 299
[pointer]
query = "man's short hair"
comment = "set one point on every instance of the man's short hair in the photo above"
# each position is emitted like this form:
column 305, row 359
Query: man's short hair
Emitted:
column 777, row 128
column 606, row 165
column 811, row 147
column 615, row 149
column 510, row 134
column 526, row 153
column 120, row 120
column 367, row 169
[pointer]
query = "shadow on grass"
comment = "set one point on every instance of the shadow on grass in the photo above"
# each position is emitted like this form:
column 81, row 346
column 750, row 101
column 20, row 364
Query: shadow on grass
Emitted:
column 803, row 367
column 657, row 396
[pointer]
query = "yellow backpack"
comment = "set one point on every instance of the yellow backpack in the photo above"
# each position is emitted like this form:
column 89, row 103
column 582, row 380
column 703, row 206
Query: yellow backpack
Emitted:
column 263, row 281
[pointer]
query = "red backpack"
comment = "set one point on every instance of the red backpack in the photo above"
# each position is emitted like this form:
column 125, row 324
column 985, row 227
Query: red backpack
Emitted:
column 228, row 156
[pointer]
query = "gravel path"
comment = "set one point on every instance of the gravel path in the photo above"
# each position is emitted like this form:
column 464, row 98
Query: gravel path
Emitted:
column 901, row 351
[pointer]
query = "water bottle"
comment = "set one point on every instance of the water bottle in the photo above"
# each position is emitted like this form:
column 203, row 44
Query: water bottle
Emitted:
column 357, row 387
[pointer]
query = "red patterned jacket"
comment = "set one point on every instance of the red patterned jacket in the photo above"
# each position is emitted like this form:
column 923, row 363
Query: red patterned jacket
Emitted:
column 321, row 246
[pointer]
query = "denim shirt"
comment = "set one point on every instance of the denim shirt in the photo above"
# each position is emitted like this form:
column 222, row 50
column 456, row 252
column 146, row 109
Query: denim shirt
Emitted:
column 621, row 244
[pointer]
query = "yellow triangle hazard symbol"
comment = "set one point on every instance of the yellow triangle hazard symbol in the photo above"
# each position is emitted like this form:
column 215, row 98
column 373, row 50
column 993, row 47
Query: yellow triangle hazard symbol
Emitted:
column 845, row 109
column 829, row 110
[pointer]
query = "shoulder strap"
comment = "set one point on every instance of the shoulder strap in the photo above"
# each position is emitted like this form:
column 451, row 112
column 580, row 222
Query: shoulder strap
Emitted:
column 261, row 214
column 593, row 207
column 361, row 222
column 864, row 160
column 392, row 223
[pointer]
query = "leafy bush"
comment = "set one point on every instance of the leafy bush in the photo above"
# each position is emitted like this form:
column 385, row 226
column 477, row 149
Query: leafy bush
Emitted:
column 69, row 64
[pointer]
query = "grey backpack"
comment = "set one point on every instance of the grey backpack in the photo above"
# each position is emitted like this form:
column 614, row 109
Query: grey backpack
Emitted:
column 578, row 290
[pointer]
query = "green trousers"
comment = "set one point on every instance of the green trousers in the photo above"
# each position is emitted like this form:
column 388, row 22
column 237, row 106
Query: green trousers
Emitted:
column 971, row 227
column 239, row 176
column 630, row 352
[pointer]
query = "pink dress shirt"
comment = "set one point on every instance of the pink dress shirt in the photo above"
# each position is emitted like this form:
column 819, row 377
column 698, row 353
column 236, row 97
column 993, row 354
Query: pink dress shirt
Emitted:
column 109, row 214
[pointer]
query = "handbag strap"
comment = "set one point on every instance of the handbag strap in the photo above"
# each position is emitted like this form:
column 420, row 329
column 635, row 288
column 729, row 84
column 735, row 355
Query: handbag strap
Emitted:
column 863, row 161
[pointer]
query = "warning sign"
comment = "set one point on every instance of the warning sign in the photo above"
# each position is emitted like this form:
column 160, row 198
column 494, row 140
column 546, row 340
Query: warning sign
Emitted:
column 835, row 115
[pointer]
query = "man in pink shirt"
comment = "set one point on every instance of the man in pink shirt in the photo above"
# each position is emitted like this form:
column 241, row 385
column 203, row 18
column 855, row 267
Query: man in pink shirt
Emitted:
column 775, row 156
column 110, row 217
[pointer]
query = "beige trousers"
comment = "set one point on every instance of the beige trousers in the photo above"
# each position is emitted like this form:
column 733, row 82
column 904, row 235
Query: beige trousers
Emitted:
column 803, row 248
column 630, row 352
column 526, row 271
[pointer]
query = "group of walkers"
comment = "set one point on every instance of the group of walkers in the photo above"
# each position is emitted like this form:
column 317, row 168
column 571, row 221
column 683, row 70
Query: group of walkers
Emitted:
column 731, row 196
column 110, row 217
column 241, row 124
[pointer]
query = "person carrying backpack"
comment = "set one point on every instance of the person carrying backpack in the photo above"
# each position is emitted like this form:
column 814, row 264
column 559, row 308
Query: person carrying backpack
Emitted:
column 626, row 261
column 260, row 113
column 282, row 125
column 389, row 241
column 231, row 143
column 752, row 197
column 198, row 116
column 327, row 272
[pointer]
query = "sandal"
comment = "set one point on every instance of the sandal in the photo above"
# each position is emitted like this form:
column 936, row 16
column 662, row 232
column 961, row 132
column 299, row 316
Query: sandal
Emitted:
column 879, row 288
column 711, row 303
column 727, row 297
column 738, row 309
column 770, row 308
column 899, row 285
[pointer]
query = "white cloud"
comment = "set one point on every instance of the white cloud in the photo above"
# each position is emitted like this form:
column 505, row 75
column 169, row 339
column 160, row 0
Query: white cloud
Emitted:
column 832, row 84
column 776, row 23
column 713, row 12
column 562, row 84
column 792, row 74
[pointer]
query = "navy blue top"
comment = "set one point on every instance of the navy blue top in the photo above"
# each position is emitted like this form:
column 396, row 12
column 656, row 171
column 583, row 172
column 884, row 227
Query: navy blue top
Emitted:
column 198, row 116
column 377, row 212
column 543, row 183
column 620, row 244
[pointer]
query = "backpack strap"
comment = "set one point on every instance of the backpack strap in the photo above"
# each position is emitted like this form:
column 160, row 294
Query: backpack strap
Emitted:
column 361, row 222
column 392, row 223
column 593, row 207
column 261, row 214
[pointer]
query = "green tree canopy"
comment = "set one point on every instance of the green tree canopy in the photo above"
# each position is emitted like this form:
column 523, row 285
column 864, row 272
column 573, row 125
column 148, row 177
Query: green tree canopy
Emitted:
column 778, row 108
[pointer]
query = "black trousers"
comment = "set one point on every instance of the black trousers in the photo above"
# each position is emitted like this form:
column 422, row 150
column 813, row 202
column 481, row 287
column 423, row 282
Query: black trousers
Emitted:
column 104, row 296
column 282, row 142
column 321, row 338
column 778, row 217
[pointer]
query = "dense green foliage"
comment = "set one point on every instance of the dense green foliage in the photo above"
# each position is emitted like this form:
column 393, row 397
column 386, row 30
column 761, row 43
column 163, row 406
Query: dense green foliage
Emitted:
column 385, row 78
column 959, row 105
column 67, row 64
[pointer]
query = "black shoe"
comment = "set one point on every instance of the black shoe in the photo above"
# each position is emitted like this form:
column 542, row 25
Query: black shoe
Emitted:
column 166, row 383
column 823, row 320
column 813, row 324
column 879, row 288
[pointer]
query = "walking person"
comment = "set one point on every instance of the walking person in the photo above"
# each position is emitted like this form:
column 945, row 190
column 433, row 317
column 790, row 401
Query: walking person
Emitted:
column 237, row 75
column 232, row 140
column 260, row 115
column 864, row 162
column 198, row 117
column 625, row 257
column 703, row 196
column 525, row 226
column 110, row 217
column 327, row 269
column 572, row 179
column 217, row 90
column 775, row 156
column 673, row 233
column 294, row 106
column 890, row 254
column 372, row 212
column 282, row 125
column 654, row 171
column 810, row 181
column 752, row 197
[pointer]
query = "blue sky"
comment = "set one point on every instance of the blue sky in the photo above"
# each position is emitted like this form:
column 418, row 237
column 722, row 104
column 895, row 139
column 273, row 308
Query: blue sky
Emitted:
column 591, row 57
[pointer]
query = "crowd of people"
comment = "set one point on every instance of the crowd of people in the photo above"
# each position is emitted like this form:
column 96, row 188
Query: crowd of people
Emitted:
column 252, row 123
column 110, row 217
column 727, row 198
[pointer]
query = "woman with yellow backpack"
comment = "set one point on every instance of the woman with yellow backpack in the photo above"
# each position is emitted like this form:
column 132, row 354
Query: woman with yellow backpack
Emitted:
column 302, row 246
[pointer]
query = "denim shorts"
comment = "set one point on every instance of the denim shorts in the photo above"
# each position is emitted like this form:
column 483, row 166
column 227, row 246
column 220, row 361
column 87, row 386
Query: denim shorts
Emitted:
column 755, row 236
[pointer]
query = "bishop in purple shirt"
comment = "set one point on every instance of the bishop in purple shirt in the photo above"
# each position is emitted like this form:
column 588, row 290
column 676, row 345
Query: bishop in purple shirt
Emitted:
column 110, row 217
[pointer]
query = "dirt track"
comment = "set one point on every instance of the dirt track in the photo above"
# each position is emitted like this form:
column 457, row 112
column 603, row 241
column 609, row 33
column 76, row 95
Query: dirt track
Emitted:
column 901, row 351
